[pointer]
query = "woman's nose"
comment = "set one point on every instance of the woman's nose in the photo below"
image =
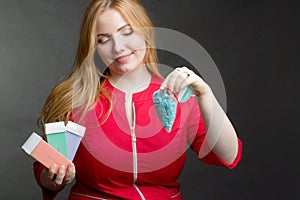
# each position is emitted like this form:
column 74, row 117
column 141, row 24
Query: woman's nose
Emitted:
column 118, row 44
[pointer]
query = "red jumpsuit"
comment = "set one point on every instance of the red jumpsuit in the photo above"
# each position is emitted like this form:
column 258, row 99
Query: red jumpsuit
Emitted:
column 119, row 160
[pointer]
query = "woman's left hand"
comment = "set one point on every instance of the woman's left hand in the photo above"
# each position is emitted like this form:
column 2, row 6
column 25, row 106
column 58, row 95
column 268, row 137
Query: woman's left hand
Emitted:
column 182, row 77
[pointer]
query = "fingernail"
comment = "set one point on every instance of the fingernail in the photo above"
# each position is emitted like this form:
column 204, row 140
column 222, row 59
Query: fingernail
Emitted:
column 54, row 166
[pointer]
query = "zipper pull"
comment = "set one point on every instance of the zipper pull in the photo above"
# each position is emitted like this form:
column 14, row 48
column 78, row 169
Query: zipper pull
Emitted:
column 134, row 139
column 133, row 134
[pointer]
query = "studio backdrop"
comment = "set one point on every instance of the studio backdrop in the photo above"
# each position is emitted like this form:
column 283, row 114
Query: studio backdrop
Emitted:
column 253, row 44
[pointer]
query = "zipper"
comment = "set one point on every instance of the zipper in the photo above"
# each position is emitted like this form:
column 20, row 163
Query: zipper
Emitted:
column 134, row 151
column 88, row 196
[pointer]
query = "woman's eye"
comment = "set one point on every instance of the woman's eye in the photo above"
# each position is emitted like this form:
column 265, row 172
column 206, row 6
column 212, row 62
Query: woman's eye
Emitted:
column 127, row 31
column 103, row 40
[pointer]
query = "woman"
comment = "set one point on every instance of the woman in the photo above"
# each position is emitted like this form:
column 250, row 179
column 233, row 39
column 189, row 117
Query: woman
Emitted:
column 126, row 153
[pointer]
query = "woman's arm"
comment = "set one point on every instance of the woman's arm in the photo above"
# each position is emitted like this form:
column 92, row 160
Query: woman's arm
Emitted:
column 221, row 137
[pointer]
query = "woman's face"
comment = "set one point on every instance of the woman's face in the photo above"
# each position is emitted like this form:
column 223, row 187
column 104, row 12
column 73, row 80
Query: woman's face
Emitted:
column 120, row 48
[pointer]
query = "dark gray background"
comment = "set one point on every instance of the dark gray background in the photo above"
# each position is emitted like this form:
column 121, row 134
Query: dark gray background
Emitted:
column 253, row 43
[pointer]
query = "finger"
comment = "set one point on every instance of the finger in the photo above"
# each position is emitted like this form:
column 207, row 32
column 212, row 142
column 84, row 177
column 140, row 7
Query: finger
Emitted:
column 188, row 75
column 182, row 85
column 185, row 72
column 70, row 174
column 164, row 83
column 52, row 171
column 181, row 81
column 60, row 175
column 173, row 81
column 169, row 81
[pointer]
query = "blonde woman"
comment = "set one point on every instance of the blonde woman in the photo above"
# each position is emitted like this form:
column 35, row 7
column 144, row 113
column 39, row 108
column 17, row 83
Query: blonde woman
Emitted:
column 126, row 153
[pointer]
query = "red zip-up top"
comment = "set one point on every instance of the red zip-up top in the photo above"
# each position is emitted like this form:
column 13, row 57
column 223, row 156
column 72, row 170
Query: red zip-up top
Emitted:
column 119, row 160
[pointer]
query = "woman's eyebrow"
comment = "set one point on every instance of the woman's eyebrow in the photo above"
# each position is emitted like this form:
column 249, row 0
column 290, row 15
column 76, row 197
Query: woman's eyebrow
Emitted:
column 119, row 29
column 122, row 27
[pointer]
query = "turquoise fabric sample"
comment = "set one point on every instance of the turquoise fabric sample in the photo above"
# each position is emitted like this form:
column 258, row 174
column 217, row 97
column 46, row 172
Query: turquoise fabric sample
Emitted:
column 165, row 106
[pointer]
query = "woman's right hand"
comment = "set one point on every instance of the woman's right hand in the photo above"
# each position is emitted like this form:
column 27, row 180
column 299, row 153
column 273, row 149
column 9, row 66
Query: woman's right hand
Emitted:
column 56, row 177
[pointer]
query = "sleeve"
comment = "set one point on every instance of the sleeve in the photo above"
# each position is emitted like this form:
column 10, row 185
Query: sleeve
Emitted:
column 46, row 194
column 196, row 136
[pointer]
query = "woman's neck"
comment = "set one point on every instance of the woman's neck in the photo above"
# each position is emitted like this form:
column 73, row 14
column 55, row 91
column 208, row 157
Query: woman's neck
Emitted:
column 131, row 82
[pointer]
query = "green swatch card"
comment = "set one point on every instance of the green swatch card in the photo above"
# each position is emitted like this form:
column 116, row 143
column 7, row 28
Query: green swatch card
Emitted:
column 56, row 136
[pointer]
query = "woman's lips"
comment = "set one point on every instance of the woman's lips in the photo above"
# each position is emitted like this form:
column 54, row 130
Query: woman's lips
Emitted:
column 123, row 59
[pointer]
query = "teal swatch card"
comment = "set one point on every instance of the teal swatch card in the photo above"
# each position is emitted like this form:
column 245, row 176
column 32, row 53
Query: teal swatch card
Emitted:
column 56, row 137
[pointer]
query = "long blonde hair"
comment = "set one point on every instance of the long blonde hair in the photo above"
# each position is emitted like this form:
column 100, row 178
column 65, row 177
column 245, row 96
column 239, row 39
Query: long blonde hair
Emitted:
column 83, row 86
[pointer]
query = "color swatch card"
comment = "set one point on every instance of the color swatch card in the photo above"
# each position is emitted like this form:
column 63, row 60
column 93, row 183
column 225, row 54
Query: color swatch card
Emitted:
column 43, row 152
column 74, row 134
column 56, row 136
column 61, row 146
